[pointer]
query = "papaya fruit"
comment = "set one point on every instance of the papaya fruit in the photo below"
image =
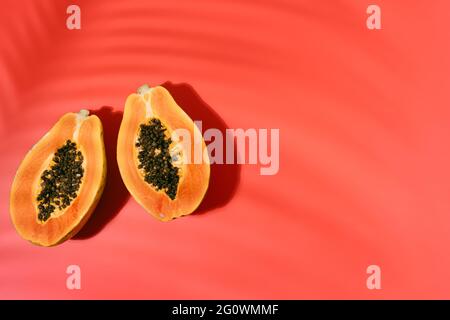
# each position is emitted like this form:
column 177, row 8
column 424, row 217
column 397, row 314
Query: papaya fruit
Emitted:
column 156, row 145
column 60, row 180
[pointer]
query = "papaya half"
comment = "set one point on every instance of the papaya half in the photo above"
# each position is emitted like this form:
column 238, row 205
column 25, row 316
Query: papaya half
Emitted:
column 161, row 155
column 60, row 180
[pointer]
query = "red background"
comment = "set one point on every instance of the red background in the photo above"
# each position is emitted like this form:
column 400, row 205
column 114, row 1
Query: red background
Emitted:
column 364, row 158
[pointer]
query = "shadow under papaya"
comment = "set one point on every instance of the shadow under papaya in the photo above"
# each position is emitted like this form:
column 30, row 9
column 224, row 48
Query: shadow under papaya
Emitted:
column 224, row 178
column 115, row 195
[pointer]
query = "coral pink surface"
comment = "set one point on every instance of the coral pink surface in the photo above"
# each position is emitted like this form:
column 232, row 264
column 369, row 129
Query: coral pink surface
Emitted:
column 363, row 115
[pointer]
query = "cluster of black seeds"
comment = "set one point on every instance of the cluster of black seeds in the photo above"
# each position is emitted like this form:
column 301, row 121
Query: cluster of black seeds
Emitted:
column 60, row 183
column 154, row 158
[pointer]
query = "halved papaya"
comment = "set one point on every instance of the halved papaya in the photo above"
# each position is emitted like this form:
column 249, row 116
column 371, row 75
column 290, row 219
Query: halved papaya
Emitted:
column 157, row 153
column 60, row 180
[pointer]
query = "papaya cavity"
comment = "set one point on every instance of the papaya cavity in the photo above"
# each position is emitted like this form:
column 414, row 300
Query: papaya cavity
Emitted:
column 154, row 158
column 61, row 181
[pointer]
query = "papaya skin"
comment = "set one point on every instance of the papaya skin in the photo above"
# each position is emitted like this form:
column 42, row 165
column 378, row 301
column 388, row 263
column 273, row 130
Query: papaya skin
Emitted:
column 87, row 133
column 194, row 178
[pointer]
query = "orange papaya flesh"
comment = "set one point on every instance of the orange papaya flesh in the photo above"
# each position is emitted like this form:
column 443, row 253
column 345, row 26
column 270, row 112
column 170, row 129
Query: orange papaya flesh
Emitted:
column 60, row 181
column 156, row 165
